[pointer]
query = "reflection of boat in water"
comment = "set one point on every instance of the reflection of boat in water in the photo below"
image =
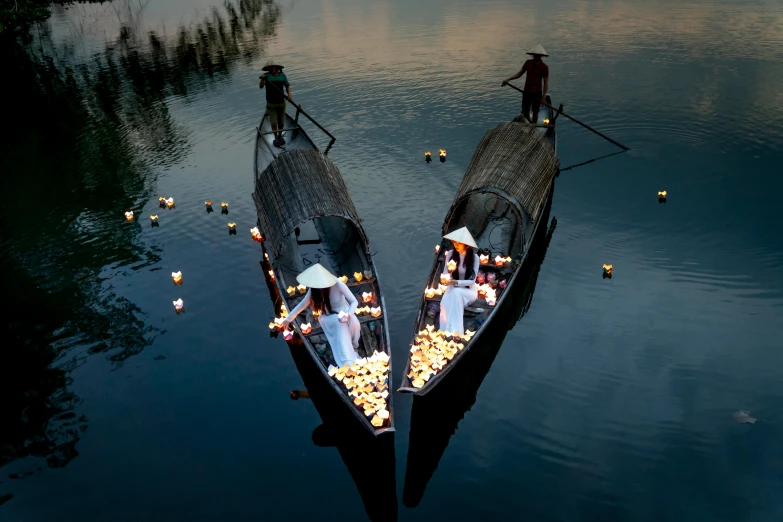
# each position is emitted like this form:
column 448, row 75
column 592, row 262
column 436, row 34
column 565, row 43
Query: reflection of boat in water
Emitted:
column 306, row 216
column 370, row 460
column 501, row 200
column 434, row 417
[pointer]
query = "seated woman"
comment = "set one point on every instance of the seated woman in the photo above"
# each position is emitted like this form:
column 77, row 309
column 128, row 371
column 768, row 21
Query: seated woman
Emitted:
column 462, row 286
column 329, row 296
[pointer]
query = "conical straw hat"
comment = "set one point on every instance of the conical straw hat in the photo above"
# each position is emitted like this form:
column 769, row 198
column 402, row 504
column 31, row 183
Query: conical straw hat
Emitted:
column 538, row 49
column 316, row 277
column 462, row 235
column 271, row 63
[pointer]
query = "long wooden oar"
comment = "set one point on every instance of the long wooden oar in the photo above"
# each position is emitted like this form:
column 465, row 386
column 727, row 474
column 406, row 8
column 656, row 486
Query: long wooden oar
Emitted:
column 604, row 136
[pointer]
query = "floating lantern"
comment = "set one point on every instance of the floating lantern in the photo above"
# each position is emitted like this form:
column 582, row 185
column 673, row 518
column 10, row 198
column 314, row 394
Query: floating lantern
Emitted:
column 306, row 328
column 429, row 292
column 442, row 155
column 208, row 206
column 428, row 156
column 662, row 196
column 483, row 259
column 129, row 215
column 608, row 270
column 154, row 219
column 445, row 278
column 179, row 305
column 375, row 311
column 358, row 276
column 288, row 335
column 177, row 277
column 302, row 288
column 162, row 202
column 291, row 290
column 170, row 202
column 344, row 279
column 452, row 265
column 224, row 208
column 256, row 234
column 437, row 249
column 366, row 297
column 271, row 275
column 232, row 229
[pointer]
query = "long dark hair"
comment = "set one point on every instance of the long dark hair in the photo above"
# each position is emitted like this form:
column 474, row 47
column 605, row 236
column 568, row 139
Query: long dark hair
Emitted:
column 321, row 300
column 468, row 261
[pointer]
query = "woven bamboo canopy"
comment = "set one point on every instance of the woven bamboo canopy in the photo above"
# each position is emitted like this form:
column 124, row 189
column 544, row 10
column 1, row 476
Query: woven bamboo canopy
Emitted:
column 297, row 186
column 515, row 161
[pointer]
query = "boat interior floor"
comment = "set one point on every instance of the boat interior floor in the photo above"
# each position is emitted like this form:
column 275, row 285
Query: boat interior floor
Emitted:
column 294, row 139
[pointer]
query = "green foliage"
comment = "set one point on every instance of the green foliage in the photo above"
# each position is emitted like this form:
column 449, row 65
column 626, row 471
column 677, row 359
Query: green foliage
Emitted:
column 19, row 15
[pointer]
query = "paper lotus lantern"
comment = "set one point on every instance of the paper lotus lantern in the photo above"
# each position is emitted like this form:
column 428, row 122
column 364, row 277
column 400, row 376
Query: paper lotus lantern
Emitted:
column 451, row 265
column 288, row 335
column 306, row 328
column 272, row 326
column 232, row 226
column 358, row 276
column 279, row 322
column 491, row 300
column 179, row 305
column 162, row 202
column 428, row 156
column 302, row 288
column 344, row 279
column 208, row 203
column 437, row 249
column 129, row 215
column 662, row 196
column 442, row 288
column 177, row 277
column 283, row 310
column 445, row 278
column 376, row 421
column 291, row 290
column 607, row 269
column 429, row 292
column 366, row 297
column 430, row 327
column 170, row 202
column 500, row 261
column 442, row 155
column 271, row 275
column 375, row 311
column 483, row 259
column 256, row 234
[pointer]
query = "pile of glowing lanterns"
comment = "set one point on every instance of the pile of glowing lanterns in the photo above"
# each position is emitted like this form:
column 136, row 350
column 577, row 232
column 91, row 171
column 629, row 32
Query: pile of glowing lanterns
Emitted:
column 432, row 350
column 367, row 383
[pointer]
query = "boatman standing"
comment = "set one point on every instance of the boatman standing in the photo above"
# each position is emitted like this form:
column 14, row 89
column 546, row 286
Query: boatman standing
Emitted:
column 537, row 73
column 275, row 99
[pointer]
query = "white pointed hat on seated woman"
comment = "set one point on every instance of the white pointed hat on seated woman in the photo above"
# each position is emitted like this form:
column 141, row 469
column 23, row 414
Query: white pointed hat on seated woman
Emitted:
column 462, row 235
column 316, row 277
column 538, row 49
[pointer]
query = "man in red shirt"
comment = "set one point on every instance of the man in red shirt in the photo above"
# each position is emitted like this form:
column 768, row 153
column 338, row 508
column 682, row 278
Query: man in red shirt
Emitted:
column 534, row 95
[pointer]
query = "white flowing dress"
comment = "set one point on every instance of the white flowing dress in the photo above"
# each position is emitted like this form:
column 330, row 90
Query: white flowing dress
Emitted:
column 342, row 337
column 456, row 298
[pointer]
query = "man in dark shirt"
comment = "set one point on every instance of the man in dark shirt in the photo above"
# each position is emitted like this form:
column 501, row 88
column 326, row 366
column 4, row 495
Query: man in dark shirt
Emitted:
column 275, row 99
column 534, row 95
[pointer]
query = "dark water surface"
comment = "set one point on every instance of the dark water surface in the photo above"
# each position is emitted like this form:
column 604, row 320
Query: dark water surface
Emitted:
column 610, row 399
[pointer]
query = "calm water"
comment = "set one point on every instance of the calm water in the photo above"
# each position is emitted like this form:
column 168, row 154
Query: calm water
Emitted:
column 609, row 400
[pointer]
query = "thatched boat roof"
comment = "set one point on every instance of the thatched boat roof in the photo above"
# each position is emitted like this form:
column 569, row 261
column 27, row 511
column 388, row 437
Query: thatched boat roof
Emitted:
column 297, row 186
column 516, row 161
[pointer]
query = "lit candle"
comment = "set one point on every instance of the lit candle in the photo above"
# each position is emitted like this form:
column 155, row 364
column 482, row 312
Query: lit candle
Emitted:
column 288, row 335
column 344, row 279
column 307, row 328
column 375, row 311
column 291, row 290
column 129, row 215
column 170, row 202
column 178, row 305
column 366, row 297
column 302, row 288
column 177, row 277
column 358, row 276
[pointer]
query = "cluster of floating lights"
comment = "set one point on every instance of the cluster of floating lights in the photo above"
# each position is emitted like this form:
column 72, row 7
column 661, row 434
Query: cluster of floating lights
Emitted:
column 432, row 350
column 441, row 154
column 367, row 383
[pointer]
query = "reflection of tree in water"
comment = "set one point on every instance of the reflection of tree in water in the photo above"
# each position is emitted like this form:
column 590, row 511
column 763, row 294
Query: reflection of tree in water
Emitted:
column 89, row 136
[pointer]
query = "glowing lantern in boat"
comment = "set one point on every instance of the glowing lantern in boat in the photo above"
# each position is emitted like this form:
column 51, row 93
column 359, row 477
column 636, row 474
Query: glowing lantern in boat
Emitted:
column 266, row 256
column 484, row 259
column 441, row 289
column 283, row 310
column 452, row 265
column 442, row 155
column 437, row 249
column 179, row 305
column 291, row 290
column 358, row 276
column 607, row 270
column 170, row 202
column 428, row 156
column 662, row 196
column 375, row 311
column 279, row 321
column 500, row 261
column 177, row 277
column 491, row 300
column 430, row 327
column 302, row 288
column 445, row 278
column 288, row 335
column 307, row 328
column 344, row 279
column 271, row 275
column 256, row 234
column 366, row 297
column 482, row 290
column 429, row 292
column 272, row 326
column 129, row 215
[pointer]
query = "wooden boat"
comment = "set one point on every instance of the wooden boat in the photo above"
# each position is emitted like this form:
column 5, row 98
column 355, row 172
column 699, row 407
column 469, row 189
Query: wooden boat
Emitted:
column 436, row 416
column 306, row 216
column 501, row 200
